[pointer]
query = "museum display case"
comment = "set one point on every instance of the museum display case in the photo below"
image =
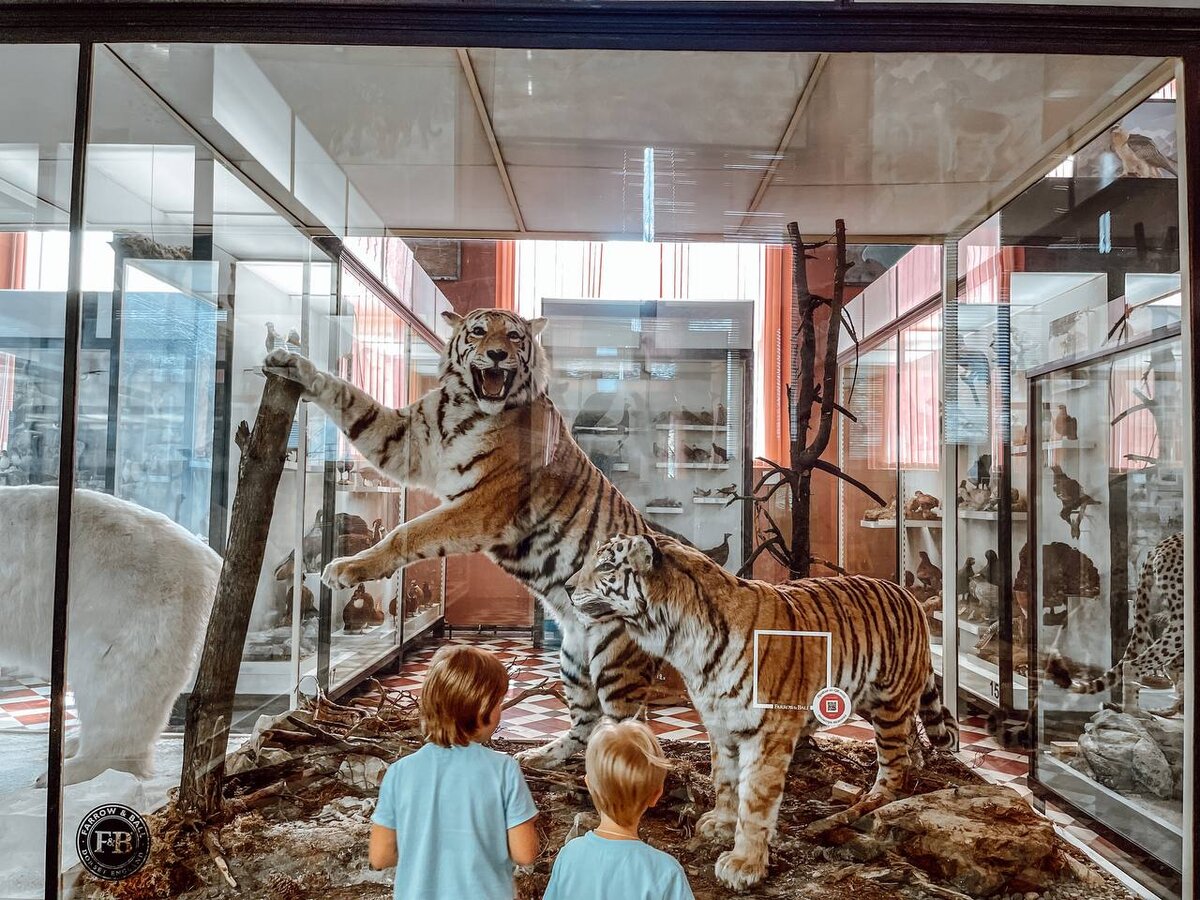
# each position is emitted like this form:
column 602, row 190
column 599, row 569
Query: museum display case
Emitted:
column 658, row 395
column 1107, row 587
column 891, row 384
column 208, row 203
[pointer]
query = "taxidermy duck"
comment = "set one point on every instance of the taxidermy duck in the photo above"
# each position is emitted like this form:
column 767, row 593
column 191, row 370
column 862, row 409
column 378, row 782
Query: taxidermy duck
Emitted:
column 360, row 611
column 929, row 574
column 720, row 553
column 1066, row 426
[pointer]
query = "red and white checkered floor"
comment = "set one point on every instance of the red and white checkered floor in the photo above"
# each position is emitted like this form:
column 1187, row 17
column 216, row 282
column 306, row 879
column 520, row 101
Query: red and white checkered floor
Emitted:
column 25, row 706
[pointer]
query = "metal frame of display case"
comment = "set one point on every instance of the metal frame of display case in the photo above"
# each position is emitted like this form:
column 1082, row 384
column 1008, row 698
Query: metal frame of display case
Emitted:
column 1118, row 611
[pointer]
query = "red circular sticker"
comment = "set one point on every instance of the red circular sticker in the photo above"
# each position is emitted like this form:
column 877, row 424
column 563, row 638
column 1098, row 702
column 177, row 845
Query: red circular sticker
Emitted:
column 831, row 706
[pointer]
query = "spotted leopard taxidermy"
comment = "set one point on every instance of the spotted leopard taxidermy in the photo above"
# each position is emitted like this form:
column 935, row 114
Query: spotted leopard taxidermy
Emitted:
column 1148, row 656
column 489, row 442
column 679, row 605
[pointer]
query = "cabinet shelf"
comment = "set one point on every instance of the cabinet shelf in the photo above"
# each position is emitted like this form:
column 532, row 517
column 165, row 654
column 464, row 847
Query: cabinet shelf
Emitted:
column 706, row 501
column 922, row 523
column 665, row 510
column 989, row 515
column 878, row 523
column 1068, row 445
column 710, row 428
column 715, row 467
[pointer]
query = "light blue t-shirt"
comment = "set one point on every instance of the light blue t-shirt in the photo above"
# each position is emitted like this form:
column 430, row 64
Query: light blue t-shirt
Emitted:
column 595, row 868
column 451, row 808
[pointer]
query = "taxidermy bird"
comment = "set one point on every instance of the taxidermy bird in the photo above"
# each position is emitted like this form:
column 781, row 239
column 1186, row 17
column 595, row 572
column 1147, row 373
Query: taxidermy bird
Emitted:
column 358, row 612
column 1066, row 426
column 721, row 414
column 1074, row 501
column 273, row 341
column 981, row 472
column 720, row 553
column 986, row 596
column 720, row 453
column 991, row 568
column 293, row 341
column 929, row 574
column 962, row 581
column 972, row 496
column 1139, row 154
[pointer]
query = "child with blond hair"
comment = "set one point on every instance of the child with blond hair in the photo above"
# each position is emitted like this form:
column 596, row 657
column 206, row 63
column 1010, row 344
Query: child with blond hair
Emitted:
column 454, row 816
column 625, row 772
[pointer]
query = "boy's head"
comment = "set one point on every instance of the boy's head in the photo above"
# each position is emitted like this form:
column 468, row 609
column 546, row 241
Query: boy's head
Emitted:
column 462, row 695
column 625, row 770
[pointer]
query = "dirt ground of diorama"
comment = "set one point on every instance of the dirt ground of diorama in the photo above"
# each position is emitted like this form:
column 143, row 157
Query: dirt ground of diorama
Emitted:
column 300, row 792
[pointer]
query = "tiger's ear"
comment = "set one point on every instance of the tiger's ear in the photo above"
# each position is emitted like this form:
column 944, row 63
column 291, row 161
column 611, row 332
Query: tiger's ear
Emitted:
column 453, row 319
column 644, row 554
column 538, row 325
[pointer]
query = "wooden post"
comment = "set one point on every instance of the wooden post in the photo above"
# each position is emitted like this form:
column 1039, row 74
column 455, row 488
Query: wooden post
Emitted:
column 210, row 706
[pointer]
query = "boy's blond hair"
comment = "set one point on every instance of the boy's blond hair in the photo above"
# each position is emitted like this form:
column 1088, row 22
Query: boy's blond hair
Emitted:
column 625, row 770
column 464, row 684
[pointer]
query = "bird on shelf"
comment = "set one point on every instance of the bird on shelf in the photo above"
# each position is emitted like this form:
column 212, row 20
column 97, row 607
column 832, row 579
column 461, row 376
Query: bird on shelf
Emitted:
column 720, row 553
column 962, row 581
column 1074, row 501
column 981, row 472
column 1139, row 154
column 972, row 496
column 929, row 574
column 720, row 454
column 358, row 612
column 273, row 341
column 1066, row 426
column 991, row 568
column 721, row 414
column 910, row 584
column 293, row 341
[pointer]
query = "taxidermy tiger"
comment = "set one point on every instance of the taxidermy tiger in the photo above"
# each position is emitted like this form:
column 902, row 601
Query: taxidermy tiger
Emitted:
column 1148, row 656
column 679, row 605
column 141, row 590
column 489, row 442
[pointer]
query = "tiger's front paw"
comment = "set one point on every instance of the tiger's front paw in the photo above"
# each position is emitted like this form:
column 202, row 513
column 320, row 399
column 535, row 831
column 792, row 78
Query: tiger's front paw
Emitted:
column 715, row 827
column 297, row 368
column 345, row 573
column 739, row 871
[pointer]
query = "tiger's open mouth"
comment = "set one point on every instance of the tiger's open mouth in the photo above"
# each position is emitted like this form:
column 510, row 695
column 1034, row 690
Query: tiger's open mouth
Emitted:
column 493, row 383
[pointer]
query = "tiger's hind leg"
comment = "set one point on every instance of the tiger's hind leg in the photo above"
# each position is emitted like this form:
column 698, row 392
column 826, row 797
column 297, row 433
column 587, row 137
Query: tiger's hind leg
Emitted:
column 763, row 765
column 893, row 732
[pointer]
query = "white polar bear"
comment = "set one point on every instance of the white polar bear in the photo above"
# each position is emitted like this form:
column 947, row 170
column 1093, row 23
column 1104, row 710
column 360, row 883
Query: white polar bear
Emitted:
column 141, row 591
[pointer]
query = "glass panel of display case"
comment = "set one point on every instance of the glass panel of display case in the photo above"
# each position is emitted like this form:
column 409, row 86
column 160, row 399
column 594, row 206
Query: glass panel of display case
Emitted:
column 36, row 116
column 1108, row 591
column 993, row 664
column 870, row 453
column 374, row 356
column 657, row 396
column 422, row 587
column 919, row 454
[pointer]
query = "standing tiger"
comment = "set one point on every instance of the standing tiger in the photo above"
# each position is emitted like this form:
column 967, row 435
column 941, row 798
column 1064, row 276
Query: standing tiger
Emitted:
column 1148, row 657
column 679, row 605
column 489, row 442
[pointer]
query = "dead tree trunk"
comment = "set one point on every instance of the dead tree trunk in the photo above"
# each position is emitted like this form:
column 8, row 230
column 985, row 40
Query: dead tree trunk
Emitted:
column 813, row 383
column 805, row 453
column 210, row 706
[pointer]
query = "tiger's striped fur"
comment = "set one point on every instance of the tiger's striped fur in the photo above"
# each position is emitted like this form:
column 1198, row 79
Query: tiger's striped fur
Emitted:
column 680, row 606
column 514, row 485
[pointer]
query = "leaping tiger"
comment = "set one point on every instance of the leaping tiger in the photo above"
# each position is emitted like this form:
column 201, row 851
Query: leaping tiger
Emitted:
column 489, row 442
column 680, row 606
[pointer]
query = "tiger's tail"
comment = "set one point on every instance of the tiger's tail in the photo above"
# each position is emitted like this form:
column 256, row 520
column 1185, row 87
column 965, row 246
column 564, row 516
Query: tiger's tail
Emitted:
column 940, row 726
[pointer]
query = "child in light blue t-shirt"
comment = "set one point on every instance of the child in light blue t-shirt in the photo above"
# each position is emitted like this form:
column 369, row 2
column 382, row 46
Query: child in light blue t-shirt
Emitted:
column 454, row 816
column 625, row 773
